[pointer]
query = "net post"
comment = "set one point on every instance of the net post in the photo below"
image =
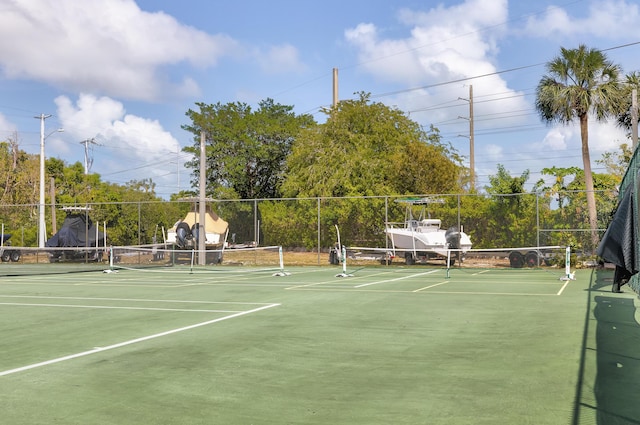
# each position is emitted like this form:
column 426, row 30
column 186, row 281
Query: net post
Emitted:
column 344, row 263
column 281, row 259
column 192, row 259
column 111, row 257
column 448, row 262
column 567, row 265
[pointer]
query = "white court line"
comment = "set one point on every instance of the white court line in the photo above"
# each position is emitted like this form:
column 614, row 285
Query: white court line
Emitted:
column 562, row 289
column 396, row 279
column 118, row 307
column 307, row 285
column 132, row 341
column 147, row 300
column 431, row 286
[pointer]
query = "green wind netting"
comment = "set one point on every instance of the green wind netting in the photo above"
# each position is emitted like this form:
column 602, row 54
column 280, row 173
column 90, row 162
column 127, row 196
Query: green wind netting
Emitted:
column 630, row 179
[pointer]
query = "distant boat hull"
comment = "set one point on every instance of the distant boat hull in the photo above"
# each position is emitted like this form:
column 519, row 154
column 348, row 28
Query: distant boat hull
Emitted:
column 424, row 238
column 184, row 234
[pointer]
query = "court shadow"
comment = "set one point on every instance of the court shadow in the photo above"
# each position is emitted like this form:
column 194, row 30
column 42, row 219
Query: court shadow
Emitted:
column 617, row 380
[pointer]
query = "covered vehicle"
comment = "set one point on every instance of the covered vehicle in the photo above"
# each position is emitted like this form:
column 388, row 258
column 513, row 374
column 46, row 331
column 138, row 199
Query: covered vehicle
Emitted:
column 183, row 236
column 78, row 231
column 6, row 252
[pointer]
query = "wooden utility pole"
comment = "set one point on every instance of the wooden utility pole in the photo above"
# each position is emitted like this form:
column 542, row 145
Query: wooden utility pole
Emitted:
column 472, row 171
column 335, row 87
column 202, row 236
column 472, row 167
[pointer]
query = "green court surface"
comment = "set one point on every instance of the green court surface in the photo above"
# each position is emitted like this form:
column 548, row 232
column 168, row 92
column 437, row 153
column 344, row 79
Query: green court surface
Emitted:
column 394, row 345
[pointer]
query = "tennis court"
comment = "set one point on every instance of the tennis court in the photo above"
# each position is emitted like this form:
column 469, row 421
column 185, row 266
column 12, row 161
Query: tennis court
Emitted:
column 379, row 345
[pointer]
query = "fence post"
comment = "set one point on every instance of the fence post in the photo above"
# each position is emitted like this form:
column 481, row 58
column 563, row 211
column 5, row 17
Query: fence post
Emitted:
column 386, row 220
column 318, row 230
column 537, row 218
column 256, row 226
column 459, row 225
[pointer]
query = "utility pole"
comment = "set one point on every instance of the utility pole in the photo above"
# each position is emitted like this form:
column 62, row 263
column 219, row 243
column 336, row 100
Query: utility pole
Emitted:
column 88, row 161
column 202, row 235
column 472, row 181
column 41, row 224
column 472, row 167
column 335, row 87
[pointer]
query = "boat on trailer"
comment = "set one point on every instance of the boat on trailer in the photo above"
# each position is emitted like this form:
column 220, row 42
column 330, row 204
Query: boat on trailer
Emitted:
column 183, row 236
column 78, row 240
column 422, row 238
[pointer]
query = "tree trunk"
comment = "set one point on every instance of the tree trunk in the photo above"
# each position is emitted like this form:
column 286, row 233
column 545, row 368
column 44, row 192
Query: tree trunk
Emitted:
column 588, row 182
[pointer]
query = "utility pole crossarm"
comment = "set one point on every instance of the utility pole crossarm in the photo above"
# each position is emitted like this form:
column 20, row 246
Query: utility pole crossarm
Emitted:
column 88, row 161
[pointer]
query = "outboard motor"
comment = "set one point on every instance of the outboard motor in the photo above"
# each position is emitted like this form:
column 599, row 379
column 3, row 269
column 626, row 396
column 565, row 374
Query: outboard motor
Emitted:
column 452, row 236
column 183, row 234
column 195, row 233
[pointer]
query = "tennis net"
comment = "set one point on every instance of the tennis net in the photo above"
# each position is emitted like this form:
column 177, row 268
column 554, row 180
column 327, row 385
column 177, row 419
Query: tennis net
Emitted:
column 19, row 261
column 558, row 257
column 157, row 257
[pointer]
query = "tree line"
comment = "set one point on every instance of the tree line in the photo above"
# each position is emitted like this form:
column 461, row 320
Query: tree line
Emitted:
column 364, row 149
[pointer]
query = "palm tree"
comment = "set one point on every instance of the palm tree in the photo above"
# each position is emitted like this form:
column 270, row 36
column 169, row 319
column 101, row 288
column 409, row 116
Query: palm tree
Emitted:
column 579, row 83
column 632, row 81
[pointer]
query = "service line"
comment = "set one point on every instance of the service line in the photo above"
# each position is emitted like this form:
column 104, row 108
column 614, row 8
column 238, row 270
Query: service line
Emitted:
column 396, row 279
column 132, row 341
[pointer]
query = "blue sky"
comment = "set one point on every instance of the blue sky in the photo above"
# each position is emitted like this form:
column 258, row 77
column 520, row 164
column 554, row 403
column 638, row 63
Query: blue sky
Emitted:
column 123, row 73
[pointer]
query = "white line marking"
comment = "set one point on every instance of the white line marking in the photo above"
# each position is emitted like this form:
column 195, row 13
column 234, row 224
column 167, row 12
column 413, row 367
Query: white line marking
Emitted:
column 145, row 300
column 562, row 289
column 119, row 307
column 133, row 341
column 396, row 279
column 431, row 286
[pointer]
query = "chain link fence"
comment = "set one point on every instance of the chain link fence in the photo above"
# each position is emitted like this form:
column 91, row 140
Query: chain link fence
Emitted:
column 311, row 224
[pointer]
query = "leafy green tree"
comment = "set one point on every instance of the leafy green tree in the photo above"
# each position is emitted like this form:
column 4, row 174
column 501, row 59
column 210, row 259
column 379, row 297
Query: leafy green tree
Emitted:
column 568, row 215
column 559, row 185
column 19, row 182
column 616, row 163
column 513, row 209
column 367, row 148
column 245, row 149
column 580, row 82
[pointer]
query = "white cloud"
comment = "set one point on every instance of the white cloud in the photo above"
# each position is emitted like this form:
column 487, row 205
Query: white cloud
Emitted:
column 7, row 128
column 494, row 152
column 556, row 138
column 134, row 140
column 605, row 137
column 441, row 46
column 610, row 19
column 102, row 46
column 281, row 59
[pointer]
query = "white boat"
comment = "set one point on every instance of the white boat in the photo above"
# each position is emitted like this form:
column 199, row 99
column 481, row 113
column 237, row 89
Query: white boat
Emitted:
column 422, row 238
column 184, row 234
